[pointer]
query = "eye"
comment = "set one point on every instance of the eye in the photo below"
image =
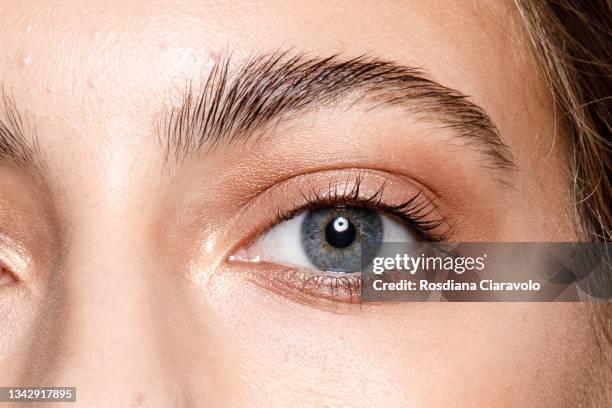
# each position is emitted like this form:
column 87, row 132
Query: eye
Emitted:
column 6, row 277
column 311, row 250
column 327, row 239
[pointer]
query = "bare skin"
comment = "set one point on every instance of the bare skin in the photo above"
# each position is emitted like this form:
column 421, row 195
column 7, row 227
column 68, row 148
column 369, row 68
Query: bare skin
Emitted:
column 115, row 273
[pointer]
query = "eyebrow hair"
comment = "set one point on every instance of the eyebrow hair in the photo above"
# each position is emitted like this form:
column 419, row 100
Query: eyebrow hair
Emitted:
column 18, row 140
column 234, row 103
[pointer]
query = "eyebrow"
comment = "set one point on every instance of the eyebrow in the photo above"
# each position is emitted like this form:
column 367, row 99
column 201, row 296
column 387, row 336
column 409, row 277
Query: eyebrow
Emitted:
column 234, row 103
column 18, row 139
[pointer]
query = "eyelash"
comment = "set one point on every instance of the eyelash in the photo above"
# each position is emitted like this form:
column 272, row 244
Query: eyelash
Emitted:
column 414, row 212
column 312, row 287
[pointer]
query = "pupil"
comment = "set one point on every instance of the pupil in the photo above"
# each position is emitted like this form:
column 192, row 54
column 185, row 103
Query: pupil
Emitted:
column 340, row 232
column 334, row 239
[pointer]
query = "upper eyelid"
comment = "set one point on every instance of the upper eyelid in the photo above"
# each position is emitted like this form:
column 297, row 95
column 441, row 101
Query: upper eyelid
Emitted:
column 336, row 176
column 349, row 175
column 287, row 178
column 349, row 172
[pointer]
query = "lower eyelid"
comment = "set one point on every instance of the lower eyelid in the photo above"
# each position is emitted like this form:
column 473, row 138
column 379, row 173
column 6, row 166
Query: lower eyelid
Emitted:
column 302, row 285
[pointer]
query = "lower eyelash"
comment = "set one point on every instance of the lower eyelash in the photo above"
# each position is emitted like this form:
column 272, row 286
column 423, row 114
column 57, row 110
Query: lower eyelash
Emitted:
column 311, row 287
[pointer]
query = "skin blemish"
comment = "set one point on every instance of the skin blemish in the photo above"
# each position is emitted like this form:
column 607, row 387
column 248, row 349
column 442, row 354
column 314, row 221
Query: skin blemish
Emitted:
column 140, row 399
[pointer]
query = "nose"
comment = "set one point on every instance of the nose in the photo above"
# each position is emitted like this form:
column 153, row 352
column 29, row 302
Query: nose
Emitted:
column 114, row 320
column 112, row 341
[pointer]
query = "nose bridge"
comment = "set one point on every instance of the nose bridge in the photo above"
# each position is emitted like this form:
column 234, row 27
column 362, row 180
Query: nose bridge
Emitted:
column 110, row 348
column 116, row 341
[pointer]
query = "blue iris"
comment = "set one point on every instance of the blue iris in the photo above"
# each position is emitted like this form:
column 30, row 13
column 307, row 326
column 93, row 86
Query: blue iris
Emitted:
column 333, row 238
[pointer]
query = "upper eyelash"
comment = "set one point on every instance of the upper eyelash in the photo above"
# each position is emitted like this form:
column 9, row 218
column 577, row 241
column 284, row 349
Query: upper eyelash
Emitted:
column 414, row 212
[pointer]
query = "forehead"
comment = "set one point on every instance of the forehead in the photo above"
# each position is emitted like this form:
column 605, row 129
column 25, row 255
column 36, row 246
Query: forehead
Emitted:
column 103, row 71
column 82, row 43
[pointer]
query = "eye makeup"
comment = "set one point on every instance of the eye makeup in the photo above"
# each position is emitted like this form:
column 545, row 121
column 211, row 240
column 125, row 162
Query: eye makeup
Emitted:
column 309, row 247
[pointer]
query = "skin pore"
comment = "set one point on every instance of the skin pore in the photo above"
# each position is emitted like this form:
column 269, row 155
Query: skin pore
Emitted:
column 114, row 248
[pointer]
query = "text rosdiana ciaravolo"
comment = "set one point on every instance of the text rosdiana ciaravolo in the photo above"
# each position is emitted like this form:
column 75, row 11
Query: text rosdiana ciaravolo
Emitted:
column 451, row 285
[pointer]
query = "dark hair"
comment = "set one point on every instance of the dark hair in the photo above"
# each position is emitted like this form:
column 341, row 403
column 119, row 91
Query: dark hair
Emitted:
column 572, row 41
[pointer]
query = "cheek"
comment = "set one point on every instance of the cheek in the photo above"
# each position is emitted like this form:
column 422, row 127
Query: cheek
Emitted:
column 408, row 354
